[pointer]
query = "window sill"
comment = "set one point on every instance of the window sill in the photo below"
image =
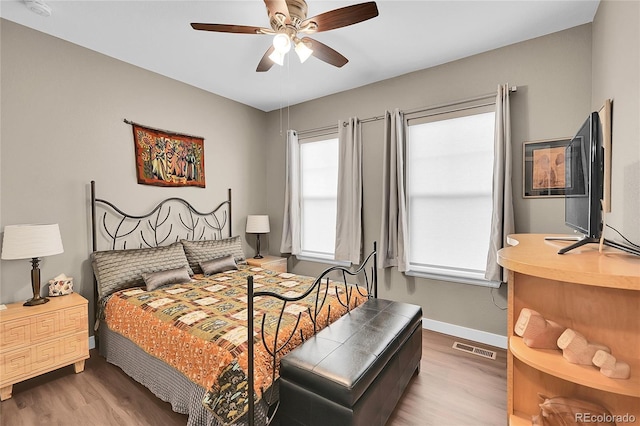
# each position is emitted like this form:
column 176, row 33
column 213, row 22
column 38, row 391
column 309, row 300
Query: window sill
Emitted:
column 453, row 278
column 322, row 259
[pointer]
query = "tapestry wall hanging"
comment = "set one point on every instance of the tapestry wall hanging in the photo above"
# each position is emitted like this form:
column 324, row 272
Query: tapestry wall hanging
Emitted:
column 168, row 159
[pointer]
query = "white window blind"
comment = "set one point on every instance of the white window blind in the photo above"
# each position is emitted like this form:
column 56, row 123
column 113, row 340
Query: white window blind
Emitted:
column 449, row 185
column 319, row 191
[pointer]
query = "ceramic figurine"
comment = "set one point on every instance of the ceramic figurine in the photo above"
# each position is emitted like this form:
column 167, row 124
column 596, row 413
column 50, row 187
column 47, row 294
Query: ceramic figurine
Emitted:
column 576, row 349
column 537, row 332
column 611, row 367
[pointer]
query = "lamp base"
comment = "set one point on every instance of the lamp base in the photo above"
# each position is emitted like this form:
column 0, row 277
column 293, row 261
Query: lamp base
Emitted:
column 258, row 255
column 36, row 301
column 35, row 284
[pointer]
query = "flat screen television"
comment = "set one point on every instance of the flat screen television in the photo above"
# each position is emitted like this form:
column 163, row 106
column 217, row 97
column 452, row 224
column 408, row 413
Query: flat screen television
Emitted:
column 584, row 176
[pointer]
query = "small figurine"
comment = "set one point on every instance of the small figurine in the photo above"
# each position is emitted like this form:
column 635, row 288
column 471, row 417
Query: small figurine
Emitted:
column 537, row 332
column 611, row 367
column 576, row 349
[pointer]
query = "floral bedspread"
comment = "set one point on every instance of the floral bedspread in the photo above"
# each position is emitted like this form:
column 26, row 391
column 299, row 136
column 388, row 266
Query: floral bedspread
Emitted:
column 199, row 328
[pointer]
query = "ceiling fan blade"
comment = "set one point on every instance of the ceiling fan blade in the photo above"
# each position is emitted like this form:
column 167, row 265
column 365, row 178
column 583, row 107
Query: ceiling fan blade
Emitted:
column 278, row 6
column 223, row 28
column 325, row 53
column 265, row 63
column 343, row 17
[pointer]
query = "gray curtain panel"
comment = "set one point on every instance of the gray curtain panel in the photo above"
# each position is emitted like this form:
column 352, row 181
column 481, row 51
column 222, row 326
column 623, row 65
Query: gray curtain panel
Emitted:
column 502, row 223
column 393, row 249
column 349, row 206
column 290, row 242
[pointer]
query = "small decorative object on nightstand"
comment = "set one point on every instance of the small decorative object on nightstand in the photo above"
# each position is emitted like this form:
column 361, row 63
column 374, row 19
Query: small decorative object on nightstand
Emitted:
column 273, row 263
column 32, row 242
column 39, row 339
column 258, row 224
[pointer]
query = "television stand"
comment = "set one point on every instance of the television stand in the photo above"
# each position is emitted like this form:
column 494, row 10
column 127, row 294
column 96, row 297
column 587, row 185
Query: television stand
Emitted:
column 564, row 238
column 587, row 240
column 579, row 243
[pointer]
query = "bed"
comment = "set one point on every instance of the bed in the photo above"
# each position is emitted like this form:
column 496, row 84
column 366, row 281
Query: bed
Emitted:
column 173, row 295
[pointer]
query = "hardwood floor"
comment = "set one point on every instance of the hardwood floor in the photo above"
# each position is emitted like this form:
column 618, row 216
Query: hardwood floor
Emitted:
column 453, row 388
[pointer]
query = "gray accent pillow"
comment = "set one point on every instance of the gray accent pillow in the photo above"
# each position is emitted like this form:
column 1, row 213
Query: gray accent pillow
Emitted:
column 221, row 264
column 204, row 250
column 154, row 280
column 119, row 269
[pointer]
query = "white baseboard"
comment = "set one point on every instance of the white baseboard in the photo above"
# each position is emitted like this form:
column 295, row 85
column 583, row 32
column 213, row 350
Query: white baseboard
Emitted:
column 479, row 336
column 92, row 342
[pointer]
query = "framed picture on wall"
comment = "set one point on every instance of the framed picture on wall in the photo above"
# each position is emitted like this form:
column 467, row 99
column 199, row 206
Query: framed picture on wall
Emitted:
column 605, row 124
column 543, row 168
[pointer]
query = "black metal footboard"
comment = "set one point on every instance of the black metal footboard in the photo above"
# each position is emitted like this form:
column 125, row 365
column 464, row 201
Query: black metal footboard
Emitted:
column 364, row 281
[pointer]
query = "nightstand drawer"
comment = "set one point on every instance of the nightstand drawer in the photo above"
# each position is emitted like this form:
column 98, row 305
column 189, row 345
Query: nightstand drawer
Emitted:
column 15, row 364
column 276, row 265
column 44, row 326
column 73, row 347
column 73, row 319
column 14, row 334
column 273, row 263
column 44, row 356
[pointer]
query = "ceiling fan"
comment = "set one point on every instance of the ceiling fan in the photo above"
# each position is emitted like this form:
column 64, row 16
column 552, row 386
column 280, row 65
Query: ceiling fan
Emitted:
column 288, row 19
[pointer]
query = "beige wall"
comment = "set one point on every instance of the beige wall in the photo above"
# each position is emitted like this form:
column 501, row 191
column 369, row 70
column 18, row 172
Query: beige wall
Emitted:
column 62, row 117
column 616, row 71
column 553, row 75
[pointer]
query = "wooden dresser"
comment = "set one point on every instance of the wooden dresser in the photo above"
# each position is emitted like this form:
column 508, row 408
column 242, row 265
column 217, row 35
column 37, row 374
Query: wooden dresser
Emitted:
column 38, row 339
column 596, row 294
column 274, row 263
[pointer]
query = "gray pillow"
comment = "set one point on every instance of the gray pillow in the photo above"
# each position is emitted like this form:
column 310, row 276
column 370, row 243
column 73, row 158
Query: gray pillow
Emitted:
column 119, row 269
column 204, row 250
column 154, row 280
column 221, row 264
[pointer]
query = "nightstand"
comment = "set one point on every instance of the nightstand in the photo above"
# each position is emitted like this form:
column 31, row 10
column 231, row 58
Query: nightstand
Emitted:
column 274, row 263
column 37, row 339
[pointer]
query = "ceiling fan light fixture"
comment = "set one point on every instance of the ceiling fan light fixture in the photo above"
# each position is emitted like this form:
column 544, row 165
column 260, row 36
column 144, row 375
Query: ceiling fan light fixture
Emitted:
column 277, row 57
column 287, row 19
column 282, row 43
column 303, row 50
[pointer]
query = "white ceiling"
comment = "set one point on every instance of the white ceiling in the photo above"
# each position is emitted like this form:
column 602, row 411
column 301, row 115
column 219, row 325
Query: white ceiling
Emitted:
column 405, row 37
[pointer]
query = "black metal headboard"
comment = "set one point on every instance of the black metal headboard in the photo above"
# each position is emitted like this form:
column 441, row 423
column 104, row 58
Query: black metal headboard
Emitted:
column 171, row 220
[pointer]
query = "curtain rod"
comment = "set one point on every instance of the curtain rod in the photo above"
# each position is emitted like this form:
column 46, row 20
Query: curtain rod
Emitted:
column 380, row 117
column 335, row 126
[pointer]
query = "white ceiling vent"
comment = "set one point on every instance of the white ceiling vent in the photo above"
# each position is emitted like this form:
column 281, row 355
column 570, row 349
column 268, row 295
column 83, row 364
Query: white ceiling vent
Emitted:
column 39, row 7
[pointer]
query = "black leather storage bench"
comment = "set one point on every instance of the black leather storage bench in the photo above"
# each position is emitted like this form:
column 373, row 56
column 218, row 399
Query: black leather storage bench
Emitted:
column 354, row 371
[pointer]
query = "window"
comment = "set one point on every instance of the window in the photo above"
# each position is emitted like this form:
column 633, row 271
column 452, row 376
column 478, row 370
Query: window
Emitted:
column 318, row 197
column 449, row 186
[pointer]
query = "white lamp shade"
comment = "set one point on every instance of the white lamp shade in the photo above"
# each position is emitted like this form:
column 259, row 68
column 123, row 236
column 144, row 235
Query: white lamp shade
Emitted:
column 303, row 51
column 258, row 224
column 29, row 241
column 282, row 43
column 277, row 57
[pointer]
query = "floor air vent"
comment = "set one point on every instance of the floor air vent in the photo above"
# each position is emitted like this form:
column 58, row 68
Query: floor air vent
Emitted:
column 485, row 353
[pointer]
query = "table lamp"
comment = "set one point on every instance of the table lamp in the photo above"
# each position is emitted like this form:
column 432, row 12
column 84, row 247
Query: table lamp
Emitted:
column 258, row 224
column 32, row 242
